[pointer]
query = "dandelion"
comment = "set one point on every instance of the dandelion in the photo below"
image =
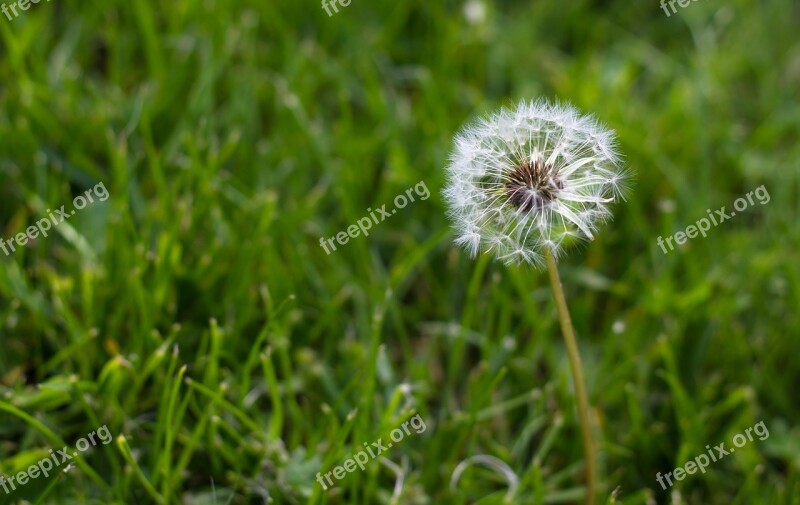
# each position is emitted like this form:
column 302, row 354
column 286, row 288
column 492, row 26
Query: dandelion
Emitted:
column 536, row 178
column 524, row 185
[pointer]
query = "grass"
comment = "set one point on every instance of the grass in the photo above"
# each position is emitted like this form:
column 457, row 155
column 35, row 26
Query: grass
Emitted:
column 195, row 314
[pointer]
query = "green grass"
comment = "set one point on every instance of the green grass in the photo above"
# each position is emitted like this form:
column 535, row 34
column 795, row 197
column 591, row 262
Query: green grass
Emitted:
column 195, row 314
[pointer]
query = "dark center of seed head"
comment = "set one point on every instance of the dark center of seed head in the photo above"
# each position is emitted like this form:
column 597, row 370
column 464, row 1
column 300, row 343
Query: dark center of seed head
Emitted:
column 531, row 186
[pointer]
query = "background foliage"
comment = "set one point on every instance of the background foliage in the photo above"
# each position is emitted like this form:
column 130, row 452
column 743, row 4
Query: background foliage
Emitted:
column 195, row 314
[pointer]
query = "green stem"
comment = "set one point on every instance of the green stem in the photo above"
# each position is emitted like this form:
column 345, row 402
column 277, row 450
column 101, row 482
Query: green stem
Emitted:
column 577, row 377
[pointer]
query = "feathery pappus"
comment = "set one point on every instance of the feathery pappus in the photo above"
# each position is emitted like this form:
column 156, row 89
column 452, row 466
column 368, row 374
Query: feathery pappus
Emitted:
column 538, row 176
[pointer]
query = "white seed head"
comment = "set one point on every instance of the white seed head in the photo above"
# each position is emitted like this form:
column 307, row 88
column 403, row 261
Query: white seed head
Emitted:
column 538, row 176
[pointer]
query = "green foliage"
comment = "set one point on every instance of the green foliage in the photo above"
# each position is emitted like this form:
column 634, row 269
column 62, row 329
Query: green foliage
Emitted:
column 195, row 313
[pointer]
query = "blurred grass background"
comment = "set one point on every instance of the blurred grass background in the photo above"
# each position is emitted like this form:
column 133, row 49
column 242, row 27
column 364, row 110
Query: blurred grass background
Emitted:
column 196, row 315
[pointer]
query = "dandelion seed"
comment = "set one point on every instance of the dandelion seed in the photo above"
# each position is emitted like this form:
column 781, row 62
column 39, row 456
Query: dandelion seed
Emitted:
column 537, row 177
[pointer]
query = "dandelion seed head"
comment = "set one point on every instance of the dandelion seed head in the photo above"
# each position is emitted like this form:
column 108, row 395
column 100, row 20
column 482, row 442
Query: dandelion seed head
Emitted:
column 535, row 178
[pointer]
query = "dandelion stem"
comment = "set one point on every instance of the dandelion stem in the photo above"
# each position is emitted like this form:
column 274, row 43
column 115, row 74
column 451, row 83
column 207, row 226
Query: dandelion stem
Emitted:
column 577, row 376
